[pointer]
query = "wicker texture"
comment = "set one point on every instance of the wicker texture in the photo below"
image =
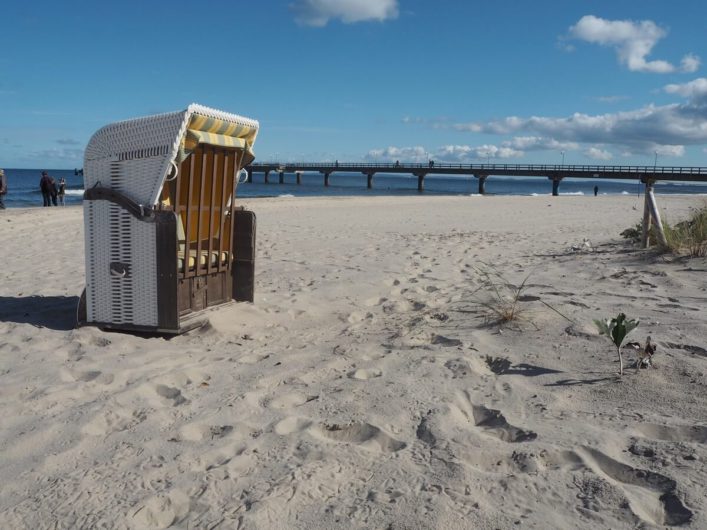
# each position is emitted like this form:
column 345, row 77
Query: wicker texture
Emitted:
column 133, row 157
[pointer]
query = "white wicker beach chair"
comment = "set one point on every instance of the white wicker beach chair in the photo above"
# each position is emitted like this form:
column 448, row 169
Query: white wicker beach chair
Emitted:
column 164, row 239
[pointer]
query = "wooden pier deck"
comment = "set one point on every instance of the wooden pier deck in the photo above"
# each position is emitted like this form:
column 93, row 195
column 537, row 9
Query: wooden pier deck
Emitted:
column 555, row 173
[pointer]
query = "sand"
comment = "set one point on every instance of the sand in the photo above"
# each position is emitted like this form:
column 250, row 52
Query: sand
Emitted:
column 355, row 392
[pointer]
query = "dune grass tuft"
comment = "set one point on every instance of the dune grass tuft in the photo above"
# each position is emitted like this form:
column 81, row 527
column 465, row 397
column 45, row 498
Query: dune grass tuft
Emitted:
column 689, row 236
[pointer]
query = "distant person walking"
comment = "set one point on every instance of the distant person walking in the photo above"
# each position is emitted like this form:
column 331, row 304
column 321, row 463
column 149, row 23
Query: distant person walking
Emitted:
column 46, row 184
column 596, row 190
column 62, row 191
column 3, row 189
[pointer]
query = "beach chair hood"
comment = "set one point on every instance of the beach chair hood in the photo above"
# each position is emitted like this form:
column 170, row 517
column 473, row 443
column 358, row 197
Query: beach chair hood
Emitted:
column 141, row 153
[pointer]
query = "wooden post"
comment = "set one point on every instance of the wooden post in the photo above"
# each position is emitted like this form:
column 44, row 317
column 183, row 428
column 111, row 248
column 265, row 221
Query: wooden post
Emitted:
column 267, row 174
column 645, row 239
column 282, row 177
column 655, row 213
column 249, row 180
column 370, row 180
column 556, row 186
column 421, row 182
column 326, row 179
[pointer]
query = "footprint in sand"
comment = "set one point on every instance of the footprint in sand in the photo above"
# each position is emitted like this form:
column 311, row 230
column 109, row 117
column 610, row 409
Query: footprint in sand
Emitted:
column 371, row 302
column 162, row 511
column 252, row 358
column 459, row 368
column 217, row 457
column 441, row 340
column 197, row 432
column 113, row 420
column 675, row 433
column 491, row 421
column 170, row 394
column 494, row 423
column 69, row 375
column 651, row 495
column 359, row 316
column 362, row 434
column 292, row 425
column 365, row 374
column 291, row 400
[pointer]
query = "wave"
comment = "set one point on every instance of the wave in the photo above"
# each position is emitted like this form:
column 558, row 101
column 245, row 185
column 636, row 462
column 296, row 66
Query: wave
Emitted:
column 75, row 192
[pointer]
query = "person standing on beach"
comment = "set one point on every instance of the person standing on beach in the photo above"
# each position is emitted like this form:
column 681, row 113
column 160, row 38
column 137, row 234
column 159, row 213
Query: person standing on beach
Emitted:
column 46, row 184
column 3, row 189
column 62, row 191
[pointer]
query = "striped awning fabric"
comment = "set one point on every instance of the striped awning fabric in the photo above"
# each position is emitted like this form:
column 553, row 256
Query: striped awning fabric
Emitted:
column 213, row 131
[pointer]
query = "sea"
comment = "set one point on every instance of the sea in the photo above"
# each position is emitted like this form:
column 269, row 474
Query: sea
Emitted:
column 23, row 186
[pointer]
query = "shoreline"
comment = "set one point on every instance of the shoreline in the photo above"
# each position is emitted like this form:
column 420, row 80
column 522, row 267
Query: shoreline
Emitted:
column 357, row 390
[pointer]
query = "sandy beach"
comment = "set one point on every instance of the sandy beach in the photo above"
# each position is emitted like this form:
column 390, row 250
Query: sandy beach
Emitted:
column 366, row 387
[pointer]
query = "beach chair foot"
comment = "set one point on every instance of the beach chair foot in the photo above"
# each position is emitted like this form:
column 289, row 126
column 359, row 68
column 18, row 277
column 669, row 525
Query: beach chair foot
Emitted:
column 81, row 314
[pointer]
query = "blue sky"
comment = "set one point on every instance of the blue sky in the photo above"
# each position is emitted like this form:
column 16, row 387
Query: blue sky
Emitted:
column 367, row 80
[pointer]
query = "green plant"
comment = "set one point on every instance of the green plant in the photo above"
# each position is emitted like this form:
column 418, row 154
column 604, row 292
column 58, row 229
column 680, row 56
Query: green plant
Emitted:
column 616, row 330
column 689, row 236
column 502, row 299
column 633, row 233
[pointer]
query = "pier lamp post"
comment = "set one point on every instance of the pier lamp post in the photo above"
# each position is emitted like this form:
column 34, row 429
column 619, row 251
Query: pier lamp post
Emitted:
column 655, row 161
column 563, row 157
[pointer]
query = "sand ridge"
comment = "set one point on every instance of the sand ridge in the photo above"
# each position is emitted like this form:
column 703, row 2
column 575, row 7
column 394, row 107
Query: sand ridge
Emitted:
column 365, row 387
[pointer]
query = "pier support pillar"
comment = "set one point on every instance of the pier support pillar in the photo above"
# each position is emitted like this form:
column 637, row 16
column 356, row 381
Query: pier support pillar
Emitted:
column 282, row 177
column 249, row 178
column 482, row 183
column 267, row 175
column 298, row 174
column 369, row 180
column 326, row 179
column 421, row 183
column 555, row 185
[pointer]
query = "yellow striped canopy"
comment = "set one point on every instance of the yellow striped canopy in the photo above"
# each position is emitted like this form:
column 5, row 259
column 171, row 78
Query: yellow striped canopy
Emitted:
column 213, row 131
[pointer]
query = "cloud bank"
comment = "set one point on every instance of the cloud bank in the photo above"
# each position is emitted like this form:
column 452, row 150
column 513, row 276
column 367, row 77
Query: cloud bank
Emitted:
column 632, row 41
column 318, row 13
column 651, row 128
column 665, row 129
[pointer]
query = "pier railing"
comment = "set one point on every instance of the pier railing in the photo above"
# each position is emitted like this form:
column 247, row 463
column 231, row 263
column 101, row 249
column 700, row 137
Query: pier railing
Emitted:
column 555, row 172
column 488, row 168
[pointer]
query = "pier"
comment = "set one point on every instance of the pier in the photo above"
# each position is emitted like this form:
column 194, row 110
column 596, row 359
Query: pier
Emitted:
column 481, row 172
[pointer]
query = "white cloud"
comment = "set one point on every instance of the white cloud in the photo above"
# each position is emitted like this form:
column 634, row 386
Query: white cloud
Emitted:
column 68, row 141
column 693, row 90
column 464, row 153
column 408, row 154
column 611, row 99
column 633, row 42
column 598, row 154
column 638, row 131
column 690, row 63
column 50, row 155
column 670, row 150
column 539, row 143
column 318, row 13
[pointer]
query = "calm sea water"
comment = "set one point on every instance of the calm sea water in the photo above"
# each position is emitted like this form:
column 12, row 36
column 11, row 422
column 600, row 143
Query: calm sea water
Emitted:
column 23, row 186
